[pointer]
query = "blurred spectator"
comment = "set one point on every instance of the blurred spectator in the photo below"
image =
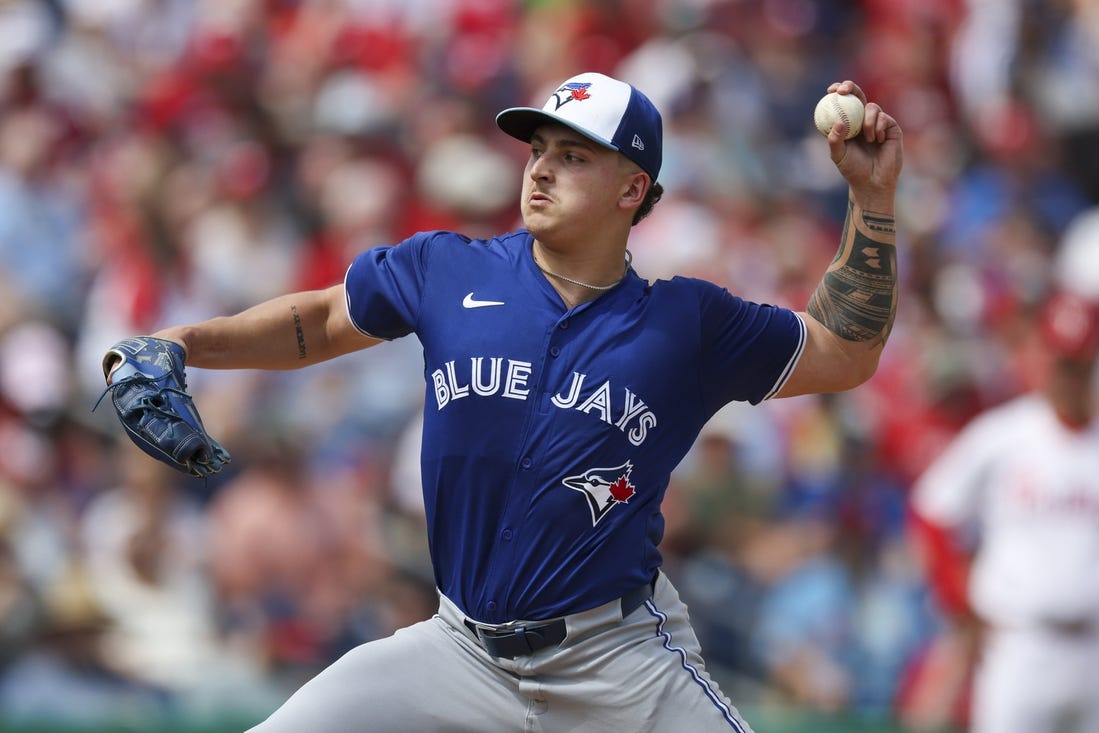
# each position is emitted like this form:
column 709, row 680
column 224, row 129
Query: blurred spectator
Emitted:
column 34, row 377
column 145, row 545
column 41, row 216
column 41, row 522
column 805, row 621
column 296, row 564
column 1015, row 58
column 67, row 677
column 20, row 605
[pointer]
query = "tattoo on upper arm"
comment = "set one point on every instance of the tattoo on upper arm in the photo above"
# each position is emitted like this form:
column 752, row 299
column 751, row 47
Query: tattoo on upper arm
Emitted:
column 298, row 331
column 857, row 298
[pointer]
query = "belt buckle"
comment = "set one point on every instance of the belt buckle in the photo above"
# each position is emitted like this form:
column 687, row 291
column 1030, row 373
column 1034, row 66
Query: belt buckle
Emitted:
column 514, row 639
column 495, row 630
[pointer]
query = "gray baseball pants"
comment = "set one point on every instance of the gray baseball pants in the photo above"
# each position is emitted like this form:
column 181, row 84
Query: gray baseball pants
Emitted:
column 609, row 675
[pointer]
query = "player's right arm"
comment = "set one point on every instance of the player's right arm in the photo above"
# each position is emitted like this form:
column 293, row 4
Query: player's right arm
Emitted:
column 851, row 313
column 286, row 332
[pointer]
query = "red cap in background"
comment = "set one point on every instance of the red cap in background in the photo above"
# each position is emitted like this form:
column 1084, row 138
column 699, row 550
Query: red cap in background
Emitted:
column 1070, row 326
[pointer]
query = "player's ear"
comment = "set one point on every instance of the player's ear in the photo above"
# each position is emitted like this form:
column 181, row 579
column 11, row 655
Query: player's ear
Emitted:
column 635, row 188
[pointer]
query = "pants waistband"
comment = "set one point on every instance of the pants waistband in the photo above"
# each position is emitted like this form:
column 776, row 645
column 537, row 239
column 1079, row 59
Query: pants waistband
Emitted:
column 508, row 641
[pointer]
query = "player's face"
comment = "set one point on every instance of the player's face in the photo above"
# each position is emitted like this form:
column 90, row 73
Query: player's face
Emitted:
column 571, row 184
column 1070, row 387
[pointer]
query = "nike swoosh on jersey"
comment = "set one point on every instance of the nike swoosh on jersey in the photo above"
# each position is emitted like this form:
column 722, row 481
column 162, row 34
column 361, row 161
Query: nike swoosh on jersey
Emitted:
column 469, row 302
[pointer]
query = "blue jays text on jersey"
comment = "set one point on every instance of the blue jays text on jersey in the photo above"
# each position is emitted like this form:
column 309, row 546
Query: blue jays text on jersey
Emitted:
column 634, row 417
column 550, row 433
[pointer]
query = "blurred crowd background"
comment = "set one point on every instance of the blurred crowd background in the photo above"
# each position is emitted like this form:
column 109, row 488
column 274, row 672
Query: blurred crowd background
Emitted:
column 163, row 161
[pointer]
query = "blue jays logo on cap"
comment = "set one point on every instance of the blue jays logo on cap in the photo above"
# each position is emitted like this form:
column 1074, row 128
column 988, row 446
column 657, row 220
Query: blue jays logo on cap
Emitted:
column 577, row 90
column 608, row 111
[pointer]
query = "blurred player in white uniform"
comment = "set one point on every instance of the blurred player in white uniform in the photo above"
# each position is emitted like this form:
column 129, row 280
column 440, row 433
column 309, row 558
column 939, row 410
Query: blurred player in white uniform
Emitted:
column 1011, row 512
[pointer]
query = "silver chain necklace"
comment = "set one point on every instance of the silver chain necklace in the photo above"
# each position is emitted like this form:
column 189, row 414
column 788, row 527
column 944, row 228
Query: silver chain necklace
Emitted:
column 629, row 261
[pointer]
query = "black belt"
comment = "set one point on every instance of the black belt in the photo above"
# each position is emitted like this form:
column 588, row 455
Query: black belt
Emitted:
column 509, row 642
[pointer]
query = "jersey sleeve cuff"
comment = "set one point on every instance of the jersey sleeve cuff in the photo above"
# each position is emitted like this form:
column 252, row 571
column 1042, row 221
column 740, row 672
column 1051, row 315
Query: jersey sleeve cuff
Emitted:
column 351, row 317
column 792, row 363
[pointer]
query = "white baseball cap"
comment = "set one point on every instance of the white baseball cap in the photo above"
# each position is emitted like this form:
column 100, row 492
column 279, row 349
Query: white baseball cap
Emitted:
column 608, row 111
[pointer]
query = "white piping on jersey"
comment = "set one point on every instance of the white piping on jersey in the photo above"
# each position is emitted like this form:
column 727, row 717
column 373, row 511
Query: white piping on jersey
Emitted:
column 347, row 306
column 792, row 363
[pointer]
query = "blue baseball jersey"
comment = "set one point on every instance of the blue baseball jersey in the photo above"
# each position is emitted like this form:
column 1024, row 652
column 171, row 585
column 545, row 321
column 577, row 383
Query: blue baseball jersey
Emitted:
column 550, row 433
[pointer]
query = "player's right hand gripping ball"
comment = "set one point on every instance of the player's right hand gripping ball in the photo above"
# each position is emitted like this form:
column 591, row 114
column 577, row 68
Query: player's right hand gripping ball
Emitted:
column 148, row 387
column 834, row 107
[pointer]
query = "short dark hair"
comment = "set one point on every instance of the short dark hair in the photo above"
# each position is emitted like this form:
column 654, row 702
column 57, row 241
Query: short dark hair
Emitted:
column 651, row 197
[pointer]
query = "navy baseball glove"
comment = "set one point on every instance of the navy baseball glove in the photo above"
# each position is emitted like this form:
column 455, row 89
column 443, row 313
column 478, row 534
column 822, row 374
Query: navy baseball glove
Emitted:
column 149, row 390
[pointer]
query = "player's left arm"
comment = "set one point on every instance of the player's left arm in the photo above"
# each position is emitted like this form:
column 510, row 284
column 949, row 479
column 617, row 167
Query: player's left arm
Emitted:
column 850, row 315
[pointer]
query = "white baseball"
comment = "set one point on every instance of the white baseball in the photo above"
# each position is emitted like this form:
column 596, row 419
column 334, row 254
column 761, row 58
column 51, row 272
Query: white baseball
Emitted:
column 834, row 107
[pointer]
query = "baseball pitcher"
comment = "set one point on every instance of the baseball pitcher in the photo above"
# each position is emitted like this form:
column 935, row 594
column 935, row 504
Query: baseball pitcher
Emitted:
column 562, row 388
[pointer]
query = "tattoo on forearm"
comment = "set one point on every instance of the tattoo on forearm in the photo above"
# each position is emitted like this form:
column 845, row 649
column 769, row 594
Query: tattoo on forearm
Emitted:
column 878, row 223
column 857, row 298
column 298, row 331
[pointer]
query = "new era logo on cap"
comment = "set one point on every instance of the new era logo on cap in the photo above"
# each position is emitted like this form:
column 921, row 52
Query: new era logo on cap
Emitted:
column 608, row 111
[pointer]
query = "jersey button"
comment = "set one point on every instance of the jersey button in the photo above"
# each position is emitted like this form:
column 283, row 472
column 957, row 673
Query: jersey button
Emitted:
column 555, row 351
column 526, row 462
column 491, row 605
column 506, row 534
column 564, row 325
